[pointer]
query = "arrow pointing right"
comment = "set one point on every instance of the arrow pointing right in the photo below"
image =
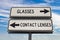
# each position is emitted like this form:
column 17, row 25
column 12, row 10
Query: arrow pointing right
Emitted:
column 13, row 25
column 45, row 11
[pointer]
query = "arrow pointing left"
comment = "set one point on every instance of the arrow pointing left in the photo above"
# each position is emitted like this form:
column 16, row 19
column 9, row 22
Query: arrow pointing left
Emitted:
column 13, row 25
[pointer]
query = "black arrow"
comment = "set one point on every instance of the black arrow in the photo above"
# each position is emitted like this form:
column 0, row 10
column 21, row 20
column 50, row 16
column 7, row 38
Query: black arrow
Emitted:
column 45, row 11
column 13, row 25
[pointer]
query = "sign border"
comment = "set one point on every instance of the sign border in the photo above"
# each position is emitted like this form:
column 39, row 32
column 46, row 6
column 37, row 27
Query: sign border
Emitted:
column 31, row 17
column 28, row 31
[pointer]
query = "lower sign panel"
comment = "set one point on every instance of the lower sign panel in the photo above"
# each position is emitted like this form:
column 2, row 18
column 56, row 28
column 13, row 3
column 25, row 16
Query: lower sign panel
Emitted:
column 32, row 26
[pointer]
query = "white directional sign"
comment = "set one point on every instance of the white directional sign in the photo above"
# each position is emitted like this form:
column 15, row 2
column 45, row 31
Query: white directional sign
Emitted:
column 30, row 25
column 30, row 12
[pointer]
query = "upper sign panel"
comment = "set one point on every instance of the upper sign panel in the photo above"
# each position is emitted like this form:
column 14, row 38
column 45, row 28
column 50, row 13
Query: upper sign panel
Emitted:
column 30, row 12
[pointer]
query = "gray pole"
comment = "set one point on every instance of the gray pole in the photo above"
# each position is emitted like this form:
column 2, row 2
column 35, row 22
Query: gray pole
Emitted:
column 30, row 36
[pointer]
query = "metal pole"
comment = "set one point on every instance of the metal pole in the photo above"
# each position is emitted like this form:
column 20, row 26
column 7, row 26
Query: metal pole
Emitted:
column 30, row 36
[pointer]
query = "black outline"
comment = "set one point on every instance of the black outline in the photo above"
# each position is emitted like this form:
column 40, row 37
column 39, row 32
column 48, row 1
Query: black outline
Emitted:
column 32, row 31
column 34, row 17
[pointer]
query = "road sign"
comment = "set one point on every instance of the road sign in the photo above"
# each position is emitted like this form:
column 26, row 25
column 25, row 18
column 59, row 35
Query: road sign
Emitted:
column 31, row 12
column 32, row 26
